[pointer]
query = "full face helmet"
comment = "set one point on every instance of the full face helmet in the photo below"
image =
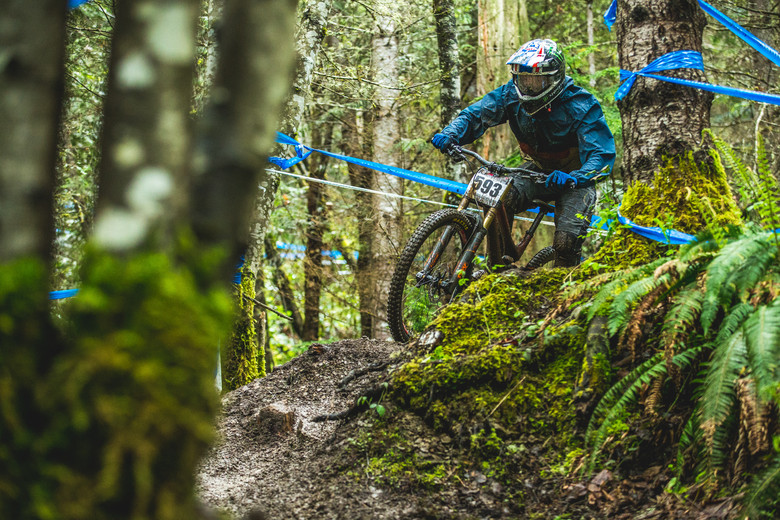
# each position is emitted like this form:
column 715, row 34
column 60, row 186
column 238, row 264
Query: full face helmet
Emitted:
column 538, row 71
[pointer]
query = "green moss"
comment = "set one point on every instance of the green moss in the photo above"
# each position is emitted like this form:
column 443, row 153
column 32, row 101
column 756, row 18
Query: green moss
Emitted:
column 110, row 419
column 487, row 370
column 673, row 201
column 393, row 460
column 242, row 359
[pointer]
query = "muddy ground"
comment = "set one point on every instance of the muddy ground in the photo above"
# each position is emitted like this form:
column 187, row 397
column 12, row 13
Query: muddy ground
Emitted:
column 274, row 461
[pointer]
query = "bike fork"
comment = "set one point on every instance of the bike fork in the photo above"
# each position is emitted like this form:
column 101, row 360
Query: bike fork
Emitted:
column 468, row 255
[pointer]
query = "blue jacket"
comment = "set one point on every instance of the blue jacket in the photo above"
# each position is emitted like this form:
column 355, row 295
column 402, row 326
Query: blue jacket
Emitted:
column 572, row 136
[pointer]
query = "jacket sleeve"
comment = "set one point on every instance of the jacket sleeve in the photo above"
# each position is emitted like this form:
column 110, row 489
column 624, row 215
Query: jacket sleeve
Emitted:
column 596, row 143
column 472, row 122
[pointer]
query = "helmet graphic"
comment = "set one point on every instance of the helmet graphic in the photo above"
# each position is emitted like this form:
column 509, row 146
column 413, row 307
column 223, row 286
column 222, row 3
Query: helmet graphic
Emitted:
column 538, row 70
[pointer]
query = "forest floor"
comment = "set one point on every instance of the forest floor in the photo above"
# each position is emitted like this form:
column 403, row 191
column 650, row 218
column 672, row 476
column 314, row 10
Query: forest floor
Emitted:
column 273, row 461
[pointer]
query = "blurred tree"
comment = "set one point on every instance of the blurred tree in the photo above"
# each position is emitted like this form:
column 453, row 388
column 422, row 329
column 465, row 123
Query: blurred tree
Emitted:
column 107, row 415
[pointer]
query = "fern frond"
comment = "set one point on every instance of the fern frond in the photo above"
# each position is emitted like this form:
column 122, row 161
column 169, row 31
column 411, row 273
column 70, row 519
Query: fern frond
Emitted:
column 747, row 180
column 762, row 334
column 625, row 393
column 608, row 291
column 591, row 285
column 764, row 487
column 683, row 315
column 620, row 310
column 762, row 257
column 768, row 200
column 718, row 398
column 718, row 292
column 690, row 437
column 617, row 392
column 733, row 321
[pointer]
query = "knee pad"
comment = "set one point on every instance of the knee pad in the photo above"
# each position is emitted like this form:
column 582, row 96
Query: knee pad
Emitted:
column 567, row 249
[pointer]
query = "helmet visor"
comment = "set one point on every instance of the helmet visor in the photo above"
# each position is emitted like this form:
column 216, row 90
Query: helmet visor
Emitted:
column 533, row 84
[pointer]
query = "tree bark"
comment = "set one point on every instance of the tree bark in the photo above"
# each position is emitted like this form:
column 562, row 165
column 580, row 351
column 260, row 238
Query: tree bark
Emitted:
column 387, row 132
column 143, row 200
column 499, row 37
column 660, row 119
column 31, row 85
column 449, row 69
column 357, row 144
column 314, row 236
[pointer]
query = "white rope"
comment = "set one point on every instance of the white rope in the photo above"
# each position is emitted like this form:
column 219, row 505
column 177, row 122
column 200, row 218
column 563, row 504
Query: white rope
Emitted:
column 366, row 190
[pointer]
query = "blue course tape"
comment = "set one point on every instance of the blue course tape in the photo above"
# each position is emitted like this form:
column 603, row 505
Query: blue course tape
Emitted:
column 423, row 178
column 75, row 3
column 665, row 236
column 58, row 295
column 746, row 36
column 687, row 60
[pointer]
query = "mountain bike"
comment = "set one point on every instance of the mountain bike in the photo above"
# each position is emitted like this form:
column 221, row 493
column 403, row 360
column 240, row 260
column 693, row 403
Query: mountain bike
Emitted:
column 438, row 261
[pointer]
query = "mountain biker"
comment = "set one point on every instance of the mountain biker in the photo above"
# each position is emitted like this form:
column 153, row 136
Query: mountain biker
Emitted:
column 559, row 126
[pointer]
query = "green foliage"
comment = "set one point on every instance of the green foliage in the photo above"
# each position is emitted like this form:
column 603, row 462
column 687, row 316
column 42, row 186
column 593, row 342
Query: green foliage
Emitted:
column 722, row 311
column 759, row 192
column 110, row 418
column 242, row 357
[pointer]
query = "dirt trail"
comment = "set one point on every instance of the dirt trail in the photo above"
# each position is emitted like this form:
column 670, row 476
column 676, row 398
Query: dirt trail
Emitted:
column 273, row 458
column 273, row 461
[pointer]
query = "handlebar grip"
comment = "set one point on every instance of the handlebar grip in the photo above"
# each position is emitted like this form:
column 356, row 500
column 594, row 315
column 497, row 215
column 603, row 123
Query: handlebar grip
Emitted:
column 571, row 184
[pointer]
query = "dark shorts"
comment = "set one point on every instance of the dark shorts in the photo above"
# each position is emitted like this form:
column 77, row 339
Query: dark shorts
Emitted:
column 573, row 207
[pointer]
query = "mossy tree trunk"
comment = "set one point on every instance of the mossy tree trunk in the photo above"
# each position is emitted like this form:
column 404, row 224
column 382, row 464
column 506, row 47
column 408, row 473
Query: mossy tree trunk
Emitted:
column 660, row 119
column 109, row 419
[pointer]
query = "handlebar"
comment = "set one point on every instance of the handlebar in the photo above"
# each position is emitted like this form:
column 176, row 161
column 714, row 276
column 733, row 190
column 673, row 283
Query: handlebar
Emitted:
column 458, row 152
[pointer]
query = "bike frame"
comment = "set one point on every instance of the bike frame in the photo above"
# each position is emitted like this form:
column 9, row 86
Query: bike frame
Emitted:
column 496, row 226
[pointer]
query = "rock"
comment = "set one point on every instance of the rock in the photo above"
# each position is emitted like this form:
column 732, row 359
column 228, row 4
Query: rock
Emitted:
column 276, row 418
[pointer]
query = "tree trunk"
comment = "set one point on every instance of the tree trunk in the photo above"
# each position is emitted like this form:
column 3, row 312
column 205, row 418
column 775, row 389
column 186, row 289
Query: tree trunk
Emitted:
column 449, row 70
column 591, row 41
column 660, row 119
column 309, row 33
column 147, row 124
column 314, row 235
column 499, row 37
column 387, row 134
column 282, row 282
column 31, row 85
column 357, row 144
column 446, row 36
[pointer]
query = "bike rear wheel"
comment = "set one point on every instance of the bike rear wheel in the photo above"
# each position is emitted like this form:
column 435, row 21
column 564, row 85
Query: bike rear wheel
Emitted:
column 419, row 284
column 542, row 257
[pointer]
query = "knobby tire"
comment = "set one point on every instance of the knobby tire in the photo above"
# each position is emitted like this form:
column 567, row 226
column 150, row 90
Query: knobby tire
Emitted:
column 542, row 257
column 411, row 307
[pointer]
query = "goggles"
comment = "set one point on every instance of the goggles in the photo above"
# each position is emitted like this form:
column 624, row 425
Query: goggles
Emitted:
column 533, row 84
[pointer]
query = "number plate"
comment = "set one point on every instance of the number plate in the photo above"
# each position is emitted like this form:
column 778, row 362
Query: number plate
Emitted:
column 488, row 189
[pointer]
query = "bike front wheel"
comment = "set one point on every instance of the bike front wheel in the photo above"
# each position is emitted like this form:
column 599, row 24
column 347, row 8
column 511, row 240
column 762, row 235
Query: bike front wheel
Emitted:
column 420, row 283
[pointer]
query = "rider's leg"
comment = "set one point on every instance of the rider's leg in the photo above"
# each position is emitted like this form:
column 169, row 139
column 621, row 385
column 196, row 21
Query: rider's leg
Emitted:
column 573, row 210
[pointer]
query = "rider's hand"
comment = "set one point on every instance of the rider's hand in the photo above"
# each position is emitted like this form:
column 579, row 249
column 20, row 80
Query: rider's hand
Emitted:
column 442, row 142
column 559, row 178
